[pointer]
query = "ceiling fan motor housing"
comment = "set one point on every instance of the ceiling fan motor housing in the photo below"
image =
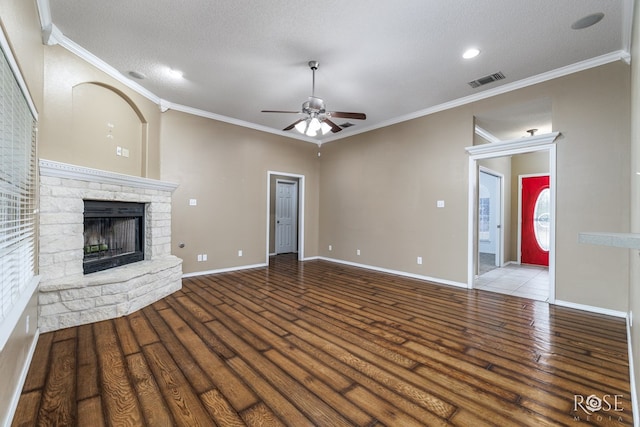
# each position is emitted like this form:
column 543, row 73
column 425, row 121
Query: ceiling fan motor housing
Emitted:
column 313, row 105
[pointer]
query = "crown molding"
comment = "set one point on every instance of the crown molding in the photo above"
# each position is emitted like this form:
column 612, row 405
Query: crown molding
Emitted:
column 209, row 115
column 486, row 134
column 619, row 55
column 54, row 36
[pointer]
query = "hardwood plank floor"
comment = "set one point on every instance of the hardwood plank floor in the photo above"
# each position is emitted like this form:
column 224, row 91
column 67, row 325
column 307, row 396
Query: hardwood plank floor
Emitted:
column 323, row 344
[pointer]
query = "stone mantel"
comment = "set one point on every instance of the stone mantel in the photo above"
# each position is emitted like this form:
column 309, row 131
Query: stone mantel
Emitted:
column 82, row 173
column 67, row 297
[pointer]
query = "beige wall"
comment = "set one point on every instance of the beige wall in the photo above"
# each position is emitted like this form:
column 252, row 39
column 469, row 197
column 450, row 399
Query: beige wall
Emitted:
column 20, row 22
column 591, row 110
column 68, row 134
column 224, row 167
column 375, row 192
column 379, row 192
column 379, row 189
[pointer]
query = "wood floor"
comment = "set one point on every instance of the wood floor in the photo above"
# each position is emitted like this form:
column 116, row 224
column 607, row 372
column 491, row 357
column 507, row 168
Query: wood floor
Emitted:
column 323, row 344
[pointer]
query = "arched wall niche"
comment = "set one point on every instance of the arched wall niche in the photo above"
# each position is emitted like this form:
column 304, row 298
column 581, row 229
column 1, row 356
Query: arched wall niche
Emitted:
column 109, row 132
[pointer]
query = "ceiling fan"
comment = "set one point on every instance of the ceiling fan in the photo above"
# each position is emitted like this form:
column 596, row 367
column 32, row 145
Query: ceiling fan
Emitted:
column 317, row 120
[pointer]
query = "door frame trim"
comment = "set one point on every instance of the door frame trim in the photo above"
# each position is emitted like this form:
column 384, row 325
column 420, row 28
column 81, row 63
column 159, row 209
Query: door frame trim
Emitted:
column 295, row 220
column 543, row 142
column 528, row 175
column 301, row 215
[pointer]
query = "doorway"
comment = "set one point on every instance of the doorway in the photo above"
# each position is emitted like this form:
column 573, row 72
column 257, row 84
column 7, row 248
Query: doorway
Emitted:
column 285, row 214
column 538, row 143
column 490, row 214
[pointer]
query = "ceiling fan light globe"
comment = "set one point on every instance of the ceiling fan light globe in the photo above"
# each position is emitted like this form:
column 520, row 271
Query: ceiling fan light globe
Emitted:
column 314, row 125
column 301, row 126
column 325, row 128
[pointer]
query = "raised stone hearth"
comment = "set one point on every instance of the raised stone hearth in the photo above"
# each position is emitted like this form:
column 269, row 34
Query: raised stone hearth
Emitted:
column 67, row 297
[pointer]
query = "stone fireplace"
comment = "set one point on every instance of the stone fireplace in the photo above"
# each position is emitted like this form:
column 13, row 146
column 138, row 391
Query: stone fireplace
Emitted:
column 69, row 295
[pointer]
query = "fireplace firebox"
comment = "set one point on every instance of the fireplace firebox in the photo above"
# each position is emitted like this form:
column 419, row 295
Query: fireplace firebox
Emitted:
column 113, row 234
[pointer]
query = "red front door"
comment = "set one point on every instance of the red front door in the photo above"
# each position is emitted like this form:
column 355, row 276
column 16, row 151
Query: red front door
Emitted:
column 535, row 220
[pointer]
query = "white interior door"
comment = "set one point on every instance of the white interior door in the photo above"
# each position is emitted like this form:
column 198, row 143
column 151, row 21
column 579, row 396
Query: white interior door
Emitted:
column 286, row 216
column 490, row 215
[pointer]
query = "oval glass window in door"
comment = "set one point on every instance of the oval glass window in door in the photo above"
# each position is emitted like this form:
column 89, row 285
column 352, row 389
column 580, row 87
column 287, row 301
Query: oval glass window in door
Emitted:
column 541, row 214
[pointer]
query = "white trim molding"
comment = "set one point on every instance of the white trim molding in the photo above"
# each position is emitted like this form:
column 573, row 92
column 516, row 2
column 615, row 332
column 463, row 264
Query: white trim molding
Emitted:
column 65, row 170
column 433, row 280
column 504, row 148
column 632, row 376
column 223, row 270
column 10, row 322
column 591, row 309
column 301, row 214
column 23, row 377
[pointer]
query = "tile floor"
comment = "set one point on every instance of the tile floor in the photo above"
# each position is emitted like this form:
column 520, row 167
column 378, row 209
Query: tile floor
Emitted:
column 528, row 281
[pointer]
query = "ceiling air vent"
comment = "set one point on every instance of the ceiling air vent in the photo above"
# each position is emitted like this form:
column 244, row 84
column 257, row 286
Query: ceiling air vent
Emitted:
column 346, row 125
column 487, row 79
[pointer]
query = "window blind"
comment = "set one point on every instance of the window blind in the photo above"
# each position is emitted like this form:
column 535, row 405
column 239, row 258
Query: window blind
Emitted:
column 17, row 191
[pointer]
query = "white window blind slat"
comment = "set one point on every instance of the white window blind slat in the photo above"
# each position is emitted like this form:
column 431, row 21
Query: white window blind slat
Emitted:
column 17, row 190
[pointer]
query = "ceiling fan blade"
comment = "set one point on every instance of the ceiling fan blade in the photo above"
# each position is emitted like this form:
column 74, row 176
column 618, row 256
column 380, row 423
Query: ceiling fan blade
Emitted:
column 345, row 115
column 292, row 125
column 334, row 127
column 280, row 111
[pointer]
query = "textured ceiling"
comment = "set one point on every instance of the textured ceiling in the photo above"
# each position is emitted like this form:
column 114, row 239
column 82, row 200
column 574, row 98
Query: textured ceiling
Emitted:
column 390, row 60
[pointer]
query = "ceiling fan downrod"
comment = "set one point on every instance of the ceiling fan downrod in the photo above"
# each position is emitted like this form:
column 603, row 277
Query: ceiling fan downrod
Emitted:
column 314, row 66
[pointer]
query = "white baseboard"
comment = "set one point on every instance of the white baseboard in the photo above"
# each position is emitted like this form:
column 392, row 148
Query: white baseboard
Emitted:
column 632, row 378
column 591, row 309
column 398, row 273
column 23, row 377
column 223, row 270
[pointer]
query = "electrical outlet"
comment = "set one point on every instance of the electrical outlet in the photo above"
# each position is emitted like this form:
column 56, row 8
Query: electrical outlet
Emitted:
column 240, row 252
column 419, row 260
column 204, row 257
column 118, row 151
column 125, row 152
column 358, row 252
column 440, row 203
column 193, row 202
column 330, row 248
column 199, row 257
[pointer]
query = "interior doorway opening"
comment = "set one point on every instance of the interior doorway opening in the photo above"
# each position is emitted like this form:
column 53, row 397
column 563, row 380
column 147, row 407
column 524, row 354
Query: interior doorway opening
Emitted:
column 285, row 214
column 480, row 156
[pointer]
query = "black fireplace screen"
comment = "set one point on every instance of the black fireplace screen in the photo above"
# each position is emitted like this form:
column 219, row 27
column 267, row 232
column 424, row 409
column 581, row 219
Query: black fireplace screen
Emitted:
column 113, row 234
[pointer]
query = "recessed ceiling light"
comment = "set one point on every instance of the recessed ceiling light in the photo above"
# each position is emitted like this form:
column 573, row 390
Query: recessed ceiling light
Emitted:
column 587, row 21
column 176, row 74
column 137, row 75
column 470, row 53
